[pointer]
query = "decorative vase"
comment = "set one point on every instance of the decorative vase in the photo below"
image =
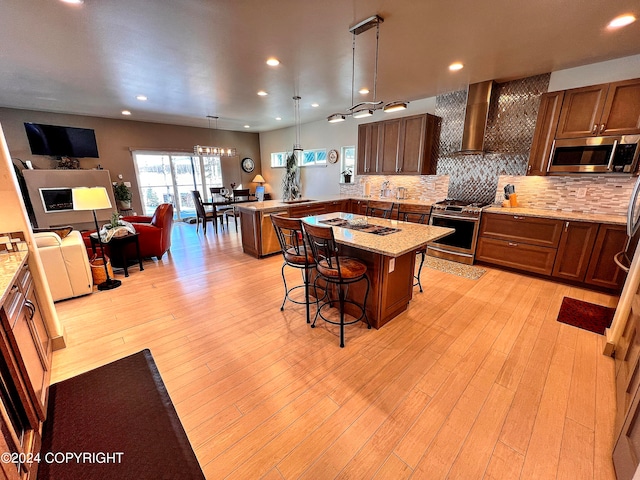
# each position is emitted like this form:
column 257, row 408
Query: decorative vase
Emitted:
column 124, row 204
column 347, row 178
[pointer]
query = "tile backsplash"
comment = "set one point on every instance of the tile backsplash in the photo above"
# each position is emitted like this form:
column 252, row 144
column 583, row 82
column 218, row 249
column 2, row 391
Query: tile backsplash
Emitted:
column 426, row 188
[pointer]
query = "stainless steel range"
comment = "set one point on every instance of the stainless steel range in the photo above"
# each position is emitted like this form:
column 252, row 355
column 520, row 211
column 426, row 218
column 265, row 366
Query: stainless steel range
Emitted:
column 465, row 218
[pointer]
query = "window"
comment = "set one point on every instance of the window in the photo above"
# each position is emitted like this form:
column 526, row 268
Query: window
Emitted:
column 348, row 159
column 308, row 158
column 170, row 178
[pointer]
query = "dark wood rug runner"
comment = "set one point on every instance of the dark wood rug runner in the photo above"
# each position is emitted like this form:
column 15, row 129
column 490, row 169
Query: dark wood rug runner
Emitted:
column 585, row 315
column 121, row 424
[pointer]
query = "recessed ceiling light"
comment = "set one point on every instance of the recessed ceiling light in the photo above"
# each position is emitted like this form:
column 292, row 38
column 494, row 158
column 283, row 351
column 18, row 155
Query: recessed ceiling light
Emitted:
column 622, row 21
column 456, row 66
column 278, row 118
column 273, row 62
column 126, row 112
column 314, row 105
column 363, row 91
column 142, row 98
column 247, row 126
column 75, row 2
column 262, row 93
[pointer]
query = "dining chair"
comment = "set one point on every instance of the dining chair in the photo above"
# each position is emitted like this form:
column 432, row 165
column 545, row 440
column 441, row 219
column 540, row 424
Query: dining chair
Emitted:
column 379, row 209
column 416, row 214
column 203, row 215
column 240, row 195
column 296, row 254
column 338, row 270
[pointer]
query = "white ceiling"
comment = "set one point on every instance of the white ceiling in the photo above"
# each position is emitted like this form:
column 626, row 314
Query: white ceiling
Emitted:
column 194, row 58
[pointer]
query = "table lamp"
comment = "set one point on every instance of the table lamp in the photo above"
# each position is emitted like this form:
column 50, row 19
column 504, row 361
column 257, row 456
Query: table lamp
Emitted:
column 259, row 179
column 95, row 198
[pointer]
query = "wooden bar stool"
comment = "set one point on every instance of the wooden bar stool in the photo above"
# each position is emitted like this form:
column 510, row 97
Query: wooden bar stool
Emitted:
column 296, row 254
column 338, row 270
column 379, row 209
column 416, row 214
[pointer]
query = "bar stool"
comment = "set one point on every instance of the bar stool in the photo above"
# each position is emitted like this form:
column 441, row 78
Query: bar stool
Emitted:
column 415, row 214
column 295, row 254
column 379, row 209
column 337, row 270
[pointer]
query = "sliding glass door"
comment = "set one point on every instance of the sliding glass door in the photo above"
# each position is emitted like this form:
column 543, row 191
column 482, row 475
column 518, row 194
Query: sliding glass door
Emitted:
column 170, row 178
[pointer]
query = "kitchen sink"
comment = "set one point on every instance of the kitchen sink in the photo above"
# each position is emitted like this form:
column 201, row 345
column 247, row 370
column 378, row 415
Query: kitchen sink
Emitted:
column 301, row 200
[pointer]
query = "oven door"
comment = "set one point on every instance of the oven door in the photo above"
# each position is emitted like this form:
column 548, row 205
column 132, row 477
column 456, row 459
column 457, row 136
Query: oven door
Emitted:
column 463, row 240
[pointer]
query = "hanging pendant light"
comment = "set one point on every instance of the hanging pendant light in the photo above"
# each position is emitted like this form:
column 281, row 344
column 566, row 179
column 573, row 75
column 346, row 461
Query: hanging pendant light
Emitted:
column 366, row 109
column 215, row 151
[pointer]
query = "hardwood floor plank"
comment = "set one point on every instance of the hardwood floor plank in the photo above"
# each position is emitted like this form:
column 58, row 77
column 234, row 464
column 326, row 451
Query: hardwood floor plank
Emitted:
column 262, row 395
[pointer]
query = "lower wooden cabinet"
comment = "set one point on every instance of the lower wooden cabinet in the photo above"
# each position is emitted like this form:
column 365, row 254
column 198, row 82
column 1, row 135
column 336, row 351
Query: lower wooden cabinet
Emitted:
column 579, row 252
column 574, row 250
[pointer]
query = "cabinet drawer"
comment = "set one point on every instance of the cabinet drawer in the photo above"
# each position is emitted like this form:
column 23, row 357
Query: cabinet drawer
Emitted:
column 543, row 232
column 521, row 256
column 307, row 210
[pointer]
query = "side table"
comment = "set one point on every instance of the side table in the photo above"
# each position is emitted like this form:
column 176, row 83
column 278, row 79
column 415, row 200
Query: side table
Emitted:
column 118, row 248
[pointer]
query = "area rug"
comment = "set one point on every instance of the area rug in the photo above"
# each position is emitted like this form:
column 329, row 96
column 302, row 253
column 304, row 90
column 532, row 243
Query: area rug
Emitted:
column 115, row 422
column 585, row 315
column 455, row 268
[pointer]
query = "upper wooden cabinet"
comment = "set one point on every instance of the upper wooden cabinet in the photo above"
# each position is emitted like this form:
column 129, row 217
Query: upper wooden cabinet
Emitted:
column 400, row 146
column 548, row 115
column 608, row 109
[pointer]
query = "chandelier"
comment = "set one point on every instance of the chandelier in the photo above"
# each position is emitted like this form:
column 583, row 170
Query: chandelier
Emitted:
column 216, row 151
column 366, row 109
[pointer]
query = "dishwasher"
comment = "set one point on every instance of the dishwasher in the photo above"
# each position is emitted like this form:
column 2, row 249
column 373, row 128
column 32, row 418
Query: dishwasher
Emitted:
column 269, row 243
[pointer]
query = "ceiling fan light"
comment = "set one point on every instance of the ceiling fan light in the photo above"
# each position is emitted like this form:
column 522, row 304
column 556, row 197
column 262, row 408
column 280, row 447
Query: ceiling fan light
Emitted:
column 394, row 107
column 336, row 117
column 362, row 113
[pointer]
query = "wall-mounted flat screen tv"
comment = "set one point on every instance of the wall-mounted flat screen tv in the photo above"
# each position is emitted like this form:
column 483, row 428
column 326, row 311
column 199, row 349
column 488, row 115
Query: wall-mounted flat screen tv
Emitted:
column 56, row 199
column 58, row 141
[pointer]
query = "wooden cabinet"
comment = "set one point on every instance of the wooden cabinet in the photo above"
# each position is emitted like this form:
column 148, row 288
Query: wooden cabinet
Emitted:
column 579, row 252
column 602, row 270
column 25, row 367
column 608, row 109
column 358, row 207
column 336, row 206
column 251, row 232
column 307, row 209
column 574, row 250
column 546, row 125
column 404, row 145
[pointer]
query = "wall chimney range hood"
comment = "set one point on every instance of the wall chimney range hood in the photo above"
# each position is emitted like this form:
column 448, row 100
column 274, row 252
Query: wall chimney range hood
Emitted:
column 475, row 119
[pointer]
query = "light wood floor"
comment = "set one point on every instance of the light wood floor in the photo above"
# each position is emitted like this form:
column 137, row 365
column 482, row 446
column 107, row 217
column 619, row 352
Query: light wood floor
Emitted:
column 476, row 380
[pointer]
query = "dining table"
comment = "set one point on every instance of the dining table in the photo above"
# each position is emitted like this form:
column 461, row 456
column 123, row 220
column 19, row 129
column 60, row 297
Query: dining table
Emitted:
column 388, row 249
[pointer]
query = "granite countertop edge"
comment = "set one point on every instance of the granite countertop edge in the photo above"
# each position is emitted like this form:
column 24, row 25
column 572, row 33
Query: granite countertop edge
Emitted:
column 559, row 214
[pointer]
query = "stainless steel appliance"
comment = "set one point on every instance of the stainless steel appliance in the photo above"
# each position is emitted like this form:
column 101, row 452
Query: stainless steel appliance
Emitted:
column 465, row 218
column 617, row 154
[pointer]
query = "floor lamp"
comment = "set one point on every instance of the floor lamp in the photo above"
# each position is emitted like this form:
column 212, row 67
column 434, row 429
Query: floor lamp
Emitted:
column 95, row 198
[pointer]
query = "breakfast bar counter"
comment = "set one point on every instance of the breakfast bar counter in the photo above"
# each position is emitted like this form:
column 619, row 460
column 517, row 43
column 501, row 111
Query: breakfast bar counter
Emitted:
column 389, row 256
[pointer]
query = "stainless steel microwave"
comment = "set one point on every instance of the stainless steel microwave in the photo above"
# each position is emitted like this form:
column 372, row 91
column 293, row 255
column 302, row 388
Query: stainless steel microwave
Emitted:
column 618, row 154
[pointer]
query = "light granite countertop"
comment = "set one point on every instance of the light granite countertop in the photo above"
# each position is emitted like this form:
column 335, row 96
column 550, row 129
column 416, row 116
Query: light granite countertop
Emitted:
column 559, row 215
column 275, row 205
column 410, row 236
column 10, row 265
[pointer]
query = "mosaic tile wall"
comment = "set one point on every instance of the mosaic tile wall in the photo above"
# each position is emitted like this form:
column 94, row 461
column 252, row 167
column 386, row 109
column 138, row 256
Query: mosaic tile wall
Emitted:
column 512, row 118
column 603, row 194
column 426, row 188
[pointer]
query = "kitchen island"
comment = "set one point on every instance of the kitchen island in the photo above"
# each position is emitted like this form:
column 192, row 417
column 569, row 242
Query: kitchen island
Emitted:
column 390, row 259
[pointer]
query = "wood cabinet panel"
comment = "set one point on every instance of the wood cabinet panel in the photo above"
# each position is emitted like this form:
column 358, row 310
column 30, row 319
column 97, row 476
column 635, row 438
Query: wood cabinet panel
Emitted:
column 602, row 270
column 521, row 256
column 250, row 228
column 581, row 111
column 621, row 115
column 574, row 250
column 412, row 149
column 546, row 125
column 358, row 207
column 544, row 232
column 390, row 147
column 307, row 210
column 367, row 155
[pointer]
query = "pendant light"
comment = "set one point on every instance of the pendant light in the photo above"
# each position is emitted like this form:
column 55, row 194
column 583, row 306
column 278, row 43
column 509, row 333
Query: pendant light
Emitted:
column 366, row 109
column 215, row 151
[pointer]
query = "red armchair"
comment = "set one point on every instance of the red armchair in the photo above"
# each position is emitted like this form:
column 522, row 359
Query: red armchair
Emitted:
column 155, row 232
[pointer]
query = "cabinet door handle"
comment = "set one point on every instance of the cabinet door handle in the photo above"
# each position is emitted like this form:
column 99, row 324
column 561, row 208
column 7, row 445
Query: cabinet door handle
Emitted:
column 516, row 217
column 602, row 127
column 31, row 307
column 529, row 169
column 566, row 226
column 594, row 130
column 512, row 244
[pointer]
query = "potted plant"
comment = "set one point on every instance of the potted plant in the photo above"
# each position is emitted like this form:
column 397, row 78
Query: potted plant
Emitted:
column 347, row 173
column 122, row 194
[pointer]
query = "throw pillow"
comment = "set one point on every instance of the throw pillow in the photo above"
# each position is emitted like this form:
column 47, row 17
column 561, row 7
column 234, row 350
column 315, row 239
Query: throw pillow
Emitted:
column 61, row 231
